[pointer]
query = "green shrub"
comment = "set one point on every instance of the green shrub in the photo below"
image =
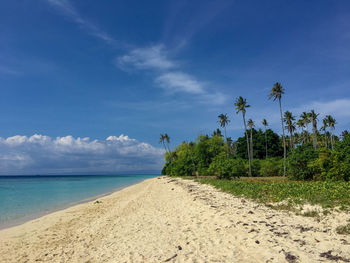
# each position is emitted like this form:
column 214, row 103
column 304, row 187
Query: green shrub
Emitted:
column 256, row 165
column 226, row 168
column 320, row 167
column 341, row 161
column 298, row 163
column 271, row 167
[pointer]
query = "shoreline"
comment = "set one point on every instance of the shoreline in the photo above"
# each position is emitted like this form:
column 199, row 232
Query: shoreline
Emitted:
column 166, row 219
column 23, row 220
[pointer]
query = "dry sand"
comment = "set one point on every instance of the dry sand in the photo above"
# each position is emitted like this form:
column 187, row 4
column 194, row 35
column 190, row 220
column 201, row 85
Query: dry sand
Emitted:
column 174, row 220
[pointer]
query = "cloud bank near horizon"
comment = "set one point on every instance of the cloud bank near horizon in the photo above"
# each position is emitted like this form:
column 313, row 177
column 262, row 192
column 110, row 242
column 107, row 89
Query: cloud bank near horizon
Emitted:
column 40, row 154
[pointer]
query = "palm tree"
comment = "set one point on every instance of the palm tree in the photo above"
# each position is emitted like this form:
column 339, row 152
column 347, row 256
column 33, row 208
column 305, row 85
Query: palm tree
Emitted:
column 251, row 125
column 305, row 117
column 324, row 128
column 289, row 118
column 162, row 140
column 167, row 139
column 313, row 117
column 223, row 120
column 301, row 125
column 241, row 105
column 331, row 123
column 264, row 122
column 217, row 133
column 276, row 93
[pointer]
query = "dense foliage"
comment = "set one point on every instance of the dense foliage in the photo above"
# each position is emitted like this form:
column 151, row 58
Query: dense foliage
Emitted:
column 210, row 155
column 274, row 149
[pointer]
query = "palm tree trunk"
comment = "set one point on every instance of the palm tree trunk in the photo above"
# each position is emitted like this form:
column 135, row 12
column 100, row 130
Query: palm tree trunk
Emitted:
column 332, row 138
column 284, row 141
column 291, row 140
column 166, row 150
column 325, row 139
column 251, row 144
column 226, row 141
column 314, row 137
column 265, row 142
column 246, row 136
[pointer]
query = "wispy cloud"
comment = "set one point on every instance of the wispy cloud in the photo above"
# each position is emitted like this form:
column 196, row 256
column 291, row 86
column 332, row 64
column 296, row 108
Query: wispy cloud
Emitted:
column 67, row 9
column 179, row 82
column 168, row 74
column 153, row 57
column 62, row 155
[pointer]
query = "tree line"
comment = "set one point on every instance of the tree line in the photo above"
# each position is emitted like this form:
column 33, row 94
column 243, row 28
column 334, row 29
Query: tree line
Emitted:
column 259, row 152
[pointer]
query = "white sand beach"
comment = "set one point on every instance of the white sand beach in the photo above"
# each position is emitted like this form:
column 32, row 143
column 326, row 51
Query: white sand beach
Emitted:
column 174, row 220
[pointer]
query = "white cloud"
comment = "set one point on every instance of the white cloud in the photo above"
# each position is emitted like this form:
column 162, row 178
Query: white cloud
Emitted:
column 178, row 81
column 39, row 154
column 168, row 74
column 153, row 57
column 68, row 10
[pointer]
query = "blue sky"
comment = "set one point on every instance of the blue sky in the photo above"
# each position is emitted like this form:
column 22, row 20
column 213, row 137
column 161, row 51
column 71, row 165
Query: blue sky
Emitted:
column 140, row 68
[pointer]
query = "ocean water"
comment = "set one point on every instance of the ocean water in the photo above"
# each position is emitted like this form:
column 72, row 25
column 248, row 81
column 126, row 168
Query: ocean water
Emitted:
column 26, row 197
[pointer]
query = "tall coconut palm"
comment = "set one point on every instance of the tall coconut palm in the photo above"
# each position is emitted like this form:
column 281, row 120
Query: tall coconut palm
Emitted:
column 264, row 122
column 241, row 106
column 331, row 123
column 289, row 118
column 251, row 126
column 305, row 117
column 167, row 139
column 223, row 121
column 313, row 116
column 276, row 93
column 324, row 128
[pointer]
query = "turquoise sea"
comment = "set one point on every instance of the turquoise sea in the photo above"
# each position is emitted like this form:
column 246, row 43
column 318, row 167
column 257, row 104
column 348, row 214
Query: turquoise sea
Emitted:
column 26, row 197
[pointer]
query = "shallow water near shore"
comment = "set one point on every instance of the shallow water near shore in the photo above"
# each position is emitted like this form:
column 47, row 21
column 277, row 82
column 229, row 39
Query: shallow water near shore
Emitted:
column 23, row 198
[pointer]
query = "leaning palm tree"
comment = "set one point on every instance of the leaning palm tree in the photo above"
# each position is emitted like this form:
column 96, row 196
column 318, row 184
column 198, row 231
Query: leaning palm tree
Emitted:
column 167, row 139
column 276, row 93
column 264, row 122
column 289, row 118
column 331, row 123
column 162, row 140
column 324, row 128
column 241, row 105
column 251, row 125
column 223, row 121
column 313, row 116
